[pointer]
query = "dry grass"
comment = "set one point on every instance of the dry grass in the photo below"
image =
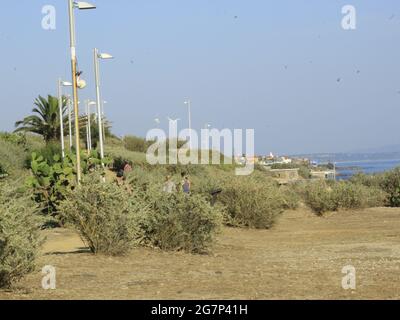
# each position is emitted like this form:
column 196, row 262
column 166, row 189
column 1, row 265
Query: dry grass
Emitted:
column 300, row 258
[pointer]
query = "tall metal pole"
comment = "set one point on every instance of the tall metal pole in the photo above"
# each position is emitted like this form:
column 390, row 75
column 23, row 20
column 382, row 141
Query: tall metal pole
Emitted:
column 103, row 120
column 87, row 124
column 99, row 104
column 60, row 107
column 74, row 86
column 89, row 121
column 190, row 123
column 70, row 123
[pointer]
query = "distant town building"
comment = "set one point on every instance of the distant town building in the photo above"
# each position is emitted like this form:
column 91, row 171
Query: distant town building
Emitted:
column 285, row 176
column 243, row 160
column 323, row 175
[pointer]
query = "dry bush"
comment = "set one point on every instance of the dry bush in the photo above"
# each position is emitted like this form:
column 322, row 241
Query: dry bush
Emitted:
column 12, row 157
column 179, row 222
column 354, row 196
column 390, row 183
column 19, row 235
column 318, row 196
column 104, row 215
column 253, row 202
column 321, row 197
column 291, row 199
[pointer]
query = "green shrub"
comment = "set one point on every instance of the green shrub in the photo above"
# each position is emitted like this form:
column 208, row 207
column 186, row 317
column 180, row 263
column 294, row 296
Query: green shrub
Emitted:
column 51, row 179
column 119, row 155
column 367, row 180
column 388, row 182
column 3, row 172
column 105, row 216
column 318, row 196
column 34, row 142
column 18, row 139
column 251, row 202
column 391, row 184
column 291, row 199
column 305, row 172
column 375, row 197
column 137, row 144
column 179, row 222
column 206, row 185
column 112, row 220
column 141, row 179
column 348, row 196
column 50, row 153
column 179, row 169
column 12, row 157
column 49, row 183
column 321, row 197
column 19, row 235
column 355, row 196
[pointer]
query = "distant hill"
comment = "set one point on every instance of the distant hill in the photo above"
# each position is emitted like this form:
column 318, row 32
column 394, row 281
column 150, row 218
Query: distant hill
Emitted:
column 395, row 148
column 389, row 152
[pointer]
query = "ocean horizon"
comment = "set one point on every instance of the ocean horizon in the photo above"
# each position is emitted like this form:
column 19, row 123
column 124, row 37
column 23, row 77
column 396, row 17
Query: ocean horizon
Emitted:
column 347, row 169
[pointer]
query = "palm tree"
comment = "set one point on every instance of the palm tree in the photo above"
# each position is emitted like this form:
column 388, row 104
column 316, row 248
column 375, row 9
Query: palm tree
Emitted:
column 45, row 120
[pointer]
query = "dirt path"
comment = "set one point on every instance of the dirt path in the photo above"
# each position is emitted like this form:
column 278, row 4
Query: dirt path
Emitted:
column 301, row 258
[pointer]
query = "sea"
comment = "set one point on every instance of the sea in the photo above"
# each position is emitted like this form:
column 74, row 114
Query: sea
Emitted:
column 346, row 169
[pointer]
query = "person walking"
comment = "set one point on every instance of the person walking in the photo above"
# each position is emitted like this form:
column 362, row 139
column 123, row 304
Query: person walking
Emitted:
column 169, row 185
column 186, row 185
column 127, row 169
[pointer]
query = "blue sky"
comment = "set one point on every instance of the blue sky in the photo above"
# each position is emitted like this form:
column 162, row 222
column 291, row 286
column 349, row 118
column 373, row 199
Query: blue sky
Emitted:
column 229, row 57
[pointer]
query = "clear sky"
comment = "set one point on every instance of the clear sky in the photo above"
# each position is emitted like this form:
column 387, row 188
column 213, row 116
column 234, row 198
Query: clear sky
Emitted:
column 272, row 66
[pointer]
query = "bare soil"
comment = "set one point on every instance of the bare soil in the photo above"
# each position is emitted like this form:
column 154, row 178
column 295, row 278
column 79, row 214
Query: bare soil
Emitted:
column 300, row 258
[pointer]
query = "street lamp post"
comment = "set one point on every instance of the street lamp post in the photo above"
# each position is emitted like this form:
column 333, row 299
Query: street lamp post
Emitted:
column 97, row 57
column 103, row 121
column 189, row 104
column 89, row 124
column 60, row 107
column 71, row 6
column 69, row 122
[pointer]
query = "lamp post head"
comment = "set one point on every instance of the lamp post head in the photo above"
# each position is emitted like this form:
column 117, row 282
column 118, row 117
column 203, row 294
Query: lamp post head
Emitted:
column 105, row 56
column 66, row 84
column 83, row 5
column 81, row 83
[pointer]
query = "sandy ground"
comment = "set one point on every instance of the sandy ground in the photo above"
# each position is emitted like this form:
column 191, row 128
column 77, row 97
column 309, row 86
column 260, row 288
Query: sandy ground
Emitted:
column 300, row 258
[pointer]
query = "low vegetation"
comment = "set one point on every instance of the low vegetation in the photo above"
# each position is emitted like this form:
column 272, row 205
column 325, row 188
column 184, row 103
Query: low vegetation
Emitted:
column 19, row 235
column 12, row 157
column 104, row 215
column 252, row 203
column 112, row 220
column 322, row 197
column 179, row 222
column 119, row 215
column 389, row 182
